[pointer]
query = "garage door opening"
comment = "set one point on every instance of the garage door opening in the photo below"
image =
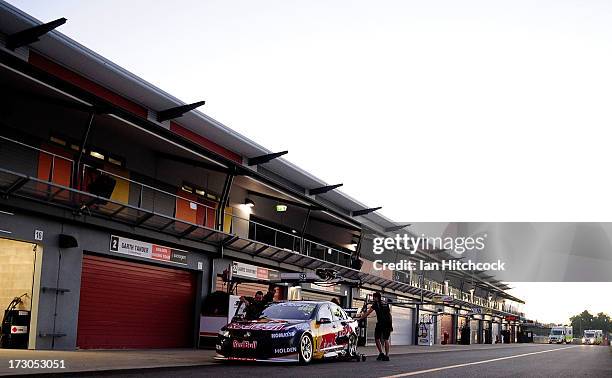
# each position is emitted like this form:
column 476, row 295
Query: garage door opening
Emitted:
column 129, row 305
column 17, row 278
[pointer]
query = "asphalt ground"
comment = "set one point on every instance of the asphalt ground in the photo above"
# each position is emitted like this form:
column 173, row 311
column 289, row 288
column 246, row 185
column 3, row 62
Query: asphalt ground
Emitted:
column 528, row 360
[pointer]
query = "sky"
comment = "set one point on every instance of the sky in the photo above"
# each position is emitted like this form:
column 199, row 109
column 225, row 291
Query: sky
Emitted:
column 556, row 302
column 436, row 110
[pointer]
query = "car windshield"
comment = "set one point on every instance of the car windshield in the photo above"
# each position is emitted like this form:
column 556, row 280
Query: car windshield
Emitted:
column 557, row 332
column 289, row 311
column 589, row 334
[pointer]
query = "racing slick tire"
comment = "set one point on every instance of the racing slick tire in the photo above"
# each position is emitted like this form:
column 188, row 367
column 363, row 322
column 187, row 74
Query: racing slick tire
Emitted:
column 351, row 347
column 305, row 349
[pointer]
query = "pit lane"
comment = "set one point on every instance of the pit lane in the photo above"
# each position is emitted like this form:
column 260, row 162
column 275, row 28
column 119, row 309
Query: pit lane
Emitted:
column 518, row 360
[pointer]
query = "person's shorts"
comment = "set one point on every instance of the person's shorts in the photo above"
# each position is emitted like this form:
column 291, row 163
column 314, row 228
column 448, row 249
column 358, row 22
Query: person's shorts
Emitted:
column 382, row 333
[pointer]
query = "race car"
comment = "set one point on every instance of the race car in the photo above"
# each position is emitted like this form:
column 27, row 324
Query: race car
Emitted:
column 293, row 331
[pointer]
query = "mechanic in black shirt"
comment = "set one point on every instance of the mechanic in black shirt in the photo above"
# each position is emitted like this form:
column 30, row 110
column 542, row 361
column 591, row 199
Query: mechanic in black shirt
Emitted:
column 256, row 305
column 384, row 325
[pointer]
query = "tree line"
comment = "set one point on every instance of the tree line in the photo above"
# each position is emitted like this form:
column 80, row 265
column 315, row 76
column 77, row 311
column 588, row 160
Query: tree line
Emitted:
column 585, row 320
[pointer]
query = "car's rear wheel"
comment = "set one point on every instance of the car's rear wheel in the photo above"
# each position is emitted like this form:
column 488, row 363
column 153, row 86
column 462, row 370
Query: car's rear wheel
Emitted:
column 306, row 349
column 351, row 348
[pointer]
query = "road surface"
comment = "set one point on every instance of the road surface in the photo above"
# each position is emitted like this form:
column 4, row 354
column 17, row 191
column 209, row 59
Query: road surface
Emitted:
column 529, row 360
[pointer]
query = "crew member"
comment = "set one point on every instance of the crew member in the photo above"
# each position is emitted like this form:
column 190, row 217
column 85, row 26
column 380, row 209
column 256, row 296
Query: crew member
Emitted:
column 255, row 305
column 384, row 325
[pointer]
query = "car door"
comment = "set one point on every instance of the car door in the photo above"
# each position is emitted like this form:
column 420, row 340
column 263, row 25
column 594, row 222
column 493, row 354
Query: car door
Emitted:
column 326, row 339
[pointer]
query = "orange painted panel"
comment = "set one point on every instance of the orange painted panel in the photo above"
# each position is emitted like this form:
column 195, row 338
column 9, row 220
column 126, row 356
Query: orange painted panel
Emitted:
column 191, row 210
column 186, row 209
column 62, row 169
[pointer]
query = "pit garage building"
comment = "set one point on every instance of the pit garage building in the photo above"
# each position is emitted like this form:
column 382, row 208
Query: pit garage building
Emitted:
column 122, row 209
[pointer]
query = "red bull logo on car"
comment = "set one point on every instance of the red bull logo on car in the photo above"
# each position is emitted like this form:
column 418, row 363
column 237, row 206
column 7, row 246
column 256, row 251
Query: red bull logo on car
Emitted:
column 244, row 344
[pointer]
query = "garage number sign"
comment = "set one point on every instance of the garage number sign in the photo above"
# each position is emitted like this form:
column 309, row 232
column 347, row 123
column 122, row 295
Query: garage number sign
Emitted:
column 146, row 250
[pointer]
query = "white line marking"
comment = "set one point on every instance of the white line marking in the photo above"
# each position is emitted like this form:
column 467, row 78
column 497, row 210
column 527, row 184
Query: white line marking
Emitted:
column 475, row 363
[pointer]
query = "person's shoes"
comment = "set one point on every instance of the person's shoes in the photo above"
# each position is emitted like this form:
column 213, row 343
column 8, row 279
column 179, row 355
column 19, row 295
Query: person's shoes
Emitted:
column 385, row 358
column 380, row 357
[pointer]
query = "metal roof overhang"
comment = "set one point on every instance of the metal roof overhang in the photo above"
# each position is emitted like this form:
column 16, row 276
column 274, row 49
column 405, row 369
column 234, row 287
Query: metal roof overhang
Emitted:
column 11, row 62
column 92, row 65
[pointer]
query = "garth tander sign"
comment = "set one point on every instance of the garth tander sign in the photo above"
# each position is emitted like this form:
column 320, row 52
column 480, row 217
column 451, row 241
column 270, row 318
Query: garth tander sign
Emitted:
column 147, row 250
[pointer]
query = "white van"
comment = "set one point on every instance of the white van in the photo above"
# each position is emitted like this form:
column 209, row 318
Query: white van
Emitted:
column 561, row 335
column 592, row 336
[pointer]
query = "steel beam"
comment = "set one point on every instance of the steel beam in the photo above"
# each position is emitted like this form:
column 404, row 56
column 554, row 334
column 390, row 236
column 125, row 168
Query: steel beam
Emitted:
column 177, row 111
column 16, row 185
column 227, row 186
column 265, row 158
column 323, row 189
column 397, row 228
column 188, row 231
column 31, row 35
column 357, row 213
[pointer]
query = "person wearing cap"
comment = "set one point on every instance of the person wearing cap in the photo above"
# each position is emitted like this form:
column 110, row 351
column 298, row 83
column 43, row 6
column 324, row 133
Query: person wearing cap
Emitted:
column 384, row 325
column 255, row 305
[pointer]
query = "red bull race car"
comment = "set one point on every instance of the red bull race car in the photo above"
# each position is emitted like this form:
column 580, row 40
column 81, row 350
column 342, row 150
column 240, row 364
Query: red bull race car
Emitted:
column 294, row 331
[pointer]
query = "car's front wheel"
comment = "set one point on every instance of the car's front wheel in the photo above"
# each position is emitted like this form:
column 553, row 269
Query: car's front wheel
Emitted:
column 306, row 349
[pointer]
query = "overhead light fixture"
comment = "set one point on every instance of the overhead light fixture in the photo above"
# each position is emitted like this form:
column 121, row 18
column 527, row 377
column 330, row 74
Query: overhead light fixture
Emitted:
column 249, row 202
column 280, row 208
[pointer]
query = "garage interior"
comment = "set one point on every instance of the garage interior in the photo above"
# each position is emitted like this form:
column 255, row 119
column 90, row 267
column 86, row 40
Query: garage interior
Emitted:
column 17, row 280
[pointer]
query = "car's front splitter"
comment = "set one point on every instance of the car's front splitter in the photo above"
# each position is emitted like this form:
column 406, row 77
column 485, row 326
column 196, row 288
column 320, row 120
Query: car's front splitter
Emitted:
column 285, row 359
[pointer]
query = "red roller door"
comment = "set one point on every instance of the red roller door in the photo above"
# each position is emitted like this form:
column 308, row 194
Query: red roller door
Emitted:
column 132, row 305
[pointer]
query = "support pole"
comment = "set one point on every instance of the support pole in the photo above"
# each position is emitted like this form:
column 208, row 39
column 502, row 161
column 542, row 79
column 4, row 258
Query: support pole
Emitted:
column 304, row 230
column 75, row 169
column 227, row 186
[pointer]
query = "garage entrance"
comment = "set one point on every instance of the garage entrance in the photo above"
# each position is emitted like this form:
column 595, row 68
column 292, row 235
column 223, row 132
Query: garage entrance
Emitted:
column 403, row 325
column 17, row 272
column 127, row 304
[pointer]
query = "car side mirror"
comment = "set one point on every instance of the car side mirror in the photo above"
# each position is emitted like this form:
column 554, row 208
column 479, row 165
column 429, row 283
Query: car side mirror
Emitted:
column 324, row 321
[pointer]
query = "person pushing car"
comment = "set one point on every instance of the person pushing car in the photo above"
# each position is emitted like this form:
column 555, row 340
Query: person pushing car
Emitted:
column 256, row 305
column 384, row 325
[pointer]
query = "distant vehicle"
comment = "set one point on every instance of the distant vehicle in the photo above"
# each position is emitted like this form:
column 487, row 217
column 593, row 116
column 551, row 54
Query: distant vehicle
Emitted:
column 561, row 335
column 592, row 336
